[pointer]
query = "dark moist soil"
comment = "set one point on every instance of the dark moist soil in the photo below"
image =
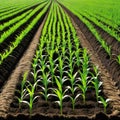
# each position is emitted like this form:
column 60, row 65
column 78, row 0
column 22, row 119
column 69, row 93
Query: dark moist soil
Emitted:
column 98, row 116
column 10, row 62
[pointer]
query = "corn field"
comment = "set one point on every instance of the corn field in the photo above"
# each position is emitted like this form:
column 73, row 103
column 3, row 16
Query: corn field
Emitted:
column 59, row 59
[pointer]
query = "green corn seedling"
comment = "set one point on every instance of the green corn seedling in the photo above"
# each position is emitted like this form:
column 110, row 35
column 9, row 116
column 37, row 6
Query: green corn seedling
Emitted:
column 96, row 83
column 73, row 100
column 104, row 102
column 31, row 90
column 84, row 75
column 22, row 91
column 78, row 59
column 34, row 68
column 72, row 79
column 60, row 94
column 45, row 79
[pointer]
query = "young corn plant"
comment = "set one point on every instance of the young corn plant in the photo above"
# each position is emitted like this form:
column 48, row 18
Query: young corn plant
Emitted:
column 45, row 79
column 83, row 86
column 60, row 94
column 52, row 67
column 108, row 50
column 31, row 90
column 61, row 68
column 70, row 62
column 72, row 87
column 63, row 47
column 23, row 90
column 96, row 83
column 73, row 100
column 69, row 46
column 104, row 102
column 77, row 51
column 77, row 55
column 42, row 64
column 34, row 68
column 84, row 75
column 73, row 81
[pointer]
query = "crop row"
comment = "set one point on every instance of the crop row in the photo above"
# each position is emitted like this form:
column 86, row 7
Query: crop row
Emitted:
column 61, row 68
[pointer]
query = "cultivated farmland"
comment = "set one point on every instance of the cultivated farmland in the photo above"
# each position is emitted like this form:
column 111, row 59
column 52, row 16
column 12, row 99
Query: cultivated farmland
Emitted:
column 59, row 59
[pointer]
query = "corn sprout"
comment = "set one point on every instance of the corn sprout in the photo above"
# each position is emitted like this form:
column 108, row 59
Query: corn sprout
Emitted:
column 104, row 102
column 23, row 90
column 31, row 90
column 60, row 94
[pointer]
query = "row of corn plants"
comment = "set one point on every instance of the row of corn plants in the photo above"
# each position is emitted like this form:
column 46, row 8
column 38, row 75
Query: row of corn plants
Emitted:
column 103, row 43
column 60, row 68
column 10, row 11
column 20, row 37
column 7, row 8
